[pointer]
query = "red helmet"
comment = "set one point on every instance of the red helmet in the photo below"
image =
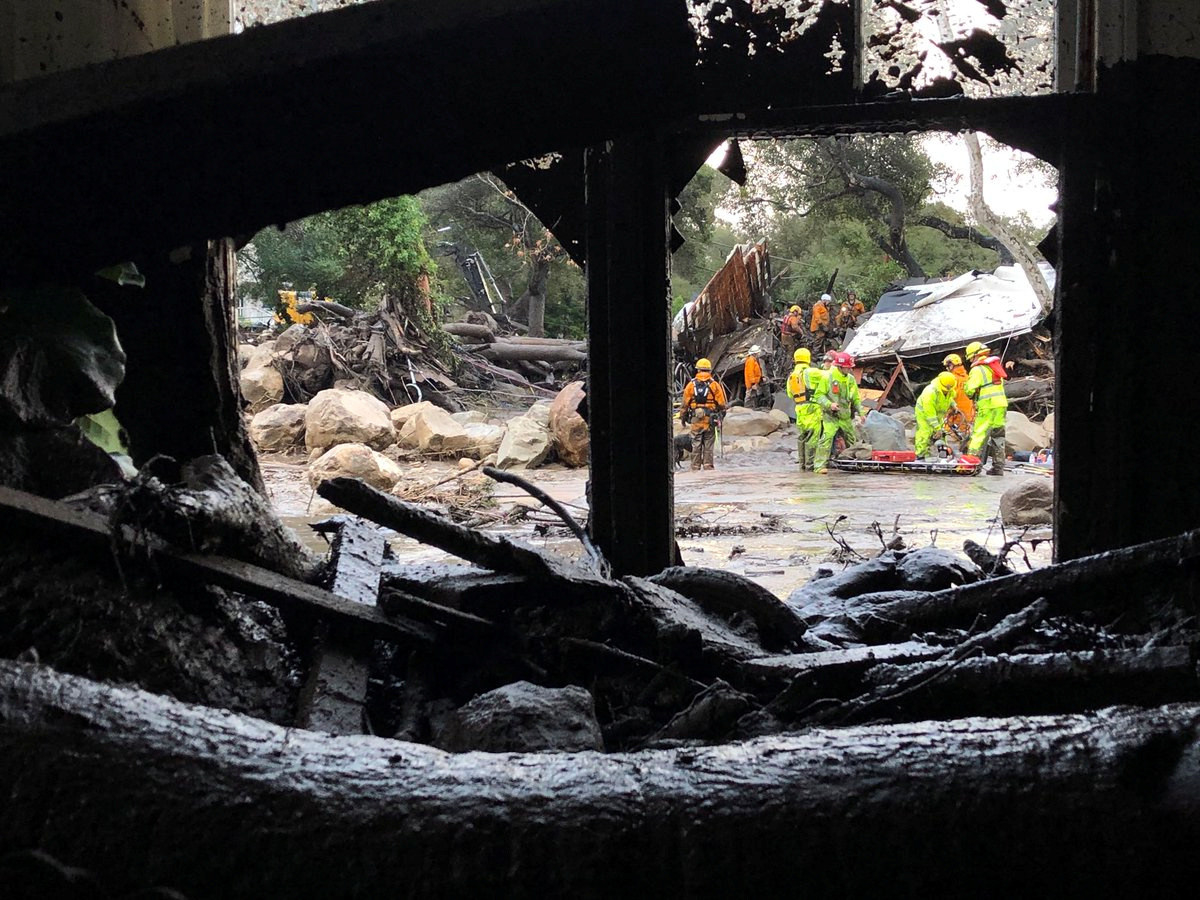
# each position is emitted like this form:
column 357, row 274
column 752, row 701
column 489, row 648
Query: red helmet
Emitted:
column 845, row 360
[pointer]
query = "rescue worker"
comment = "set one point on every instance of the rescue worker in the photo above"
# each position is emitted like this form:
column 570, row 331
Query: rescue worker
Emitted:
column 985, row 386
column 802, row 386
column 933, row 406
column 958, row 422
column 856, row 305
column 845, row 319
column 752, row 374
column 819, row 322
column 838, row 399
column 702, row 407
column 791, row 328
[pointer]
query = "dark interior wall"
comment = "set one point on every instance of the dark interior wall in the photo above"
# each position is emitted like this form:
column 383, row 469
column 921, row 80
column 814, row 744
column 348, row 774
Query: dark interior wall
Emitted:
column 1126, row 325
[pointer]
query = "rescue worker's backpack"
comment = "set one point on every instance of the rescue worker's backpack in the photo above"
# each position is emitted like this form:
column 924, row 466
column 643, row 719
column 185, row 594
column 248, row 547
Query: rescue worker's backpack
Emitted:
column 997, row 367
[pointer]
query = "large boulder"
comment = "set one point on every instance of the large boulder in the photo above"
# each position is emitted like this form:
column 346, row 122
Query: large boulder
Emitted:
column 470, row 417
column 278, row 427
column 1029, row 502
column 355, row 461
column 540, row 412
column 905, row 415
column 401, row 414
column 347, row 417
column 291, row 337
column 782, row 419
column 484, row 439
column 1048, row 427
column 260, row 381
column 755, row 443
column 883, row 432
column 437, row 432
column 526, row 444
column 567, row 427
column 523, row 718
column 245, row 354
column 1023, row 434
column 743, row 422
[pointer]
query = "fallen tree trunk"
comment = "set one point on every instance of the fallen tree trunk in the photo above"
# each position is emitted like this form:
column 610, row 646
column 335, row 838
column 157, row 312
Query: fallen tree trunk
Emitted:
column 480, row 333
column 536, row 352
column 144, row 790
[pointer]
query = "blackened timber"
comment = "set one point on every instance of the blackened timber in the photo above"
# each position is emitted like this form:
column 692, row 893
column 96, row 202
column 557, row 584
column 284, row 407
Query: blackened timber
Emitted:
column 179, row 396
column 334, row 694
column 84, row 531
column 1042, row 126
column 384, row 82
column 1127, row 230
column 234, row 807
column 631, row 494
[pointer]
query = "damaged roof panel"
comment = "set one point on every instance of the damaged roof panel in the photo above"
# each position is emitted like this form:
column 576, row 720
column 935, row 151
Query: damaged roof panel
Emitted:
column 735, row 293
column 923, row 319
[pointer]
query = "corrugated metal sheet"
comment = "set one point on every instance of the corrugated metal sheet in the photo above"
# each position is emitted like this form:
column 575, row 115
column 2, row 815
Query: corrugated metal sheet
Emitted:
column 924, row 319
column 734, row 294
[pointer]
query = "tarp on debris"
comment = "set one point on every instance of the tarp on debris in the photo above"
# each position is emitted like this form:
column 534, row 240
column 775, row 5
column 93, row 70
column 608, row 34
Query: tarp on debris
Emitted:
column 920, row 320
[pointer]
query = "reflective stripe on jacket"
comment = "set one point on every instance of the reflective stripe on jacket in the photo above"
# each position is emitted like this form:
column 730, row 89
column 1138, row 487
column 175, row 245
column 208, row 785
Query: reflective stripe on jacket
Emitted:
column 803, row 383
column 840, row 388
column 985, row 388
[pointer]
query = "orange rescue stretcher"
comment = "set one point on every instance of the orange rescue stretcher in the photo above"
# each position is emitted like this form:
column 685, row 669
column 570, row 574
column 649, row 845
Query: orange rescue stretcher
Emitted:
column 906, row 462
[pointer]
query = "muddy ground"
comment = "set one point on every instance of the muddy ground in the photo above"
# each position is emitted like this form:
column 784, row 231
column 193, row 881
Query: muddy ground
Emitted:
column 755, row 514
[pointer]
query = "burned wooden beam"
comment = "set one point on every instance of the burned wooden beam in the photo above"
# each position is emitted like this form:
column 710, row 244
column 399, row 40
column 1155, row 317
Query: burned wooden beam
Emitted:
column 237, row 808
column 631, row 499
column 83, row 531
column 75, row 146
column 335, row 692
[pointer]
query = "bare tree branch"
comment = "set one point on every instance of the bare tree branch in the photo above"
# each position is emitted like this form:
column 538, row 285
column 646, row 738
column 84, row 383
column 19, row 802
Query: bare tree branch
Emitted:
column 967, row 233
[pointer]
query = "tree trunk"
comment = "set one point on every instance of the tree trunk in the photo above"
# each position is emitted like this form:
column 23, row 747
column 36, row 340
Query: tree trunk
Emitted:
column 144, row 790
column 535, row 297
column 502, row 350
column 989, row 220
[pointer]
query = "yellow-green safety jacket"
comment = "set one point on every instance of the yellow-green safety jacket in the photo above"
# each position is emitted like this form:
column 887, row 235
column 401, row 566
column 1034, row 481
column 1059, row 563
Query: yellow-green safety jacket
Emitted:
column 985, row 388
column 802, row 384
column 840, row 388
column 933, row 404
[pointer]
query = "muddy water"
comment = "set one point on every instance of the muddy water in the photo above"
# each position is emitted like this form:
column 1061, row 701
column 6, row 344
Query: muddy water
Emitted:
column 740, row 495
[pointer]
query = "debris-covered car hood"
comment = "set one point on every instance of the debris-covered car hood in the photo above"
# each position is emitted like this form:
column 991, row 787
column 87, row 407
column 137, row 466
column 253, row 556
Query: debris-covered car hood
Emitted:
column 921, row 319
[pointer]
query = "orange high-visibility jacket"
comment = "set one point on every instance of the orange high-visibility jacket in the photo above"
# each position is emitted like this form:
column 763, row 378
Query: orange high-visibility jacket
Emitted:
column 820, row 317
column 753, row 372
column 713, row 402
column 961, row 400
column 793, row 323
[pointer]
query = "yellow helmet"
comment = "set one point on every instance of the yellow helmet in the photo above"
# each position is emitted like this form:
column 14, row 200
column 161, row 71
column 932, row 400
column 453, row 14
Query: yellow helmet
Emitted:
column 703, row 365
column 794, row 309
column 802, row 356
column 947, row 381
column 975, row 348
column 952, row 359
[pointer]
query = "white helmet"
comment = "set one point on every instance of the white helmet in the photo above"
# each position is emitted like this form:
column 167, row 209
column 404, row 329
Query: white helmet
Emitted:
column 755, row 350
column 826, row 297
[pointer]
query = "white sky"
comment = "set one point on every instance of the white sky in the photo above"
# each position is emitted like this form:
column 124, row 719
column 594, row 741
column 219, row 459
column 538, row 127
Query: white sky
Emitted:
column 1007, row 191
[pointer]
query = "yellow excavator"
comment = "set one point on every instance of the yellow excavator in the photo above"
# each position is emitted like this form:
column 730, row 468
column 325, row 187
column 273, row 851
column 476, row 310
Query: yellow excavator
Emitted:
column 288, row 314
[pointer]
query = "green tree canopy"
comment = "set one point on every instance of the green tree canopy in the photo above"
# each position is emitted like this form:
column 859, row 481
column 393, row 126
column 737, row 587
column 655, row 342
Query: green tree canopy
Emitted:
column 540, row 284
column 357, row 255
